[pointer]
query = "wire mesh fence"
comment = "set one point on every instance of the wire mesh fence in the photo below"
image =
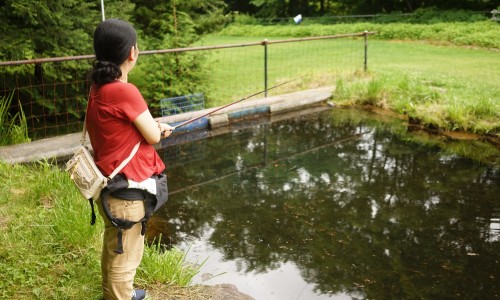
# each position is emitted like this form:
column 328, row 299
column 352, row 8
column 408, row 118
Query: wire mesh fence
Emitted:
column 180, row 104
column 52, row 93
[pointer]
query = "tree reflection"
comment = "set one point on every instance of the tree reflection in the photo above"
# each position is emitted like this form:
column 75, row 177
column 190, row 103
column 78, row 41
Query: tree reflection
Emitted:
column 355, row 207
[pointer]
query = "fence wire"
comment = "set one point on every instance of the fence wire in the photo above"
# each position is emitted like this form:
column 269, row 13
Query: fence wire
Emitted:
column 53, row 92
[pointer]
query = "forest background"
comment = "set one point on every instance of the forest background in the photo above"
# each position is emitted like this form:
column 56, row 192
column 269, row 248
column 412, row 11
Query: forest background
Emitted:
column 64, row 28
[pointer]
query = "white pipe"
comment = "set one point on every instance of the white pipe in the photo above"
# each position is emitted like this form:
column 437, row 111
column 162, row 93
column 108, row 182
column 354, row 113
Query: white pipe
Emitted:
column 102, row 10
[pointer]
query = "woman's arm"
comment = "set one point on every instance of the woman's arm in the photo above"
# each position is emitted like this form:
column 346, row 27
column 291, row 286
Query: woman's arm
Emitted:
column 150, row 129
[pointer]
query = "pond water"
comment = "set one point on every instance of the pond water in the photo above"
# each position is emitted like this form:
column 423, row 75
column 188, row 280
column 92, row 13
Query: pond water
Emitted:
column 334, row 205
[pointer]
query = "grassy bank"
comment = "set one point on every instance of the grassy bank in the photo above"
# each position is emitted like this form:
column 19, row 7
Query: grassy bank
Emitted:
column 48, row 248
column 432, row 101
column 430, row 78
column 452, row 88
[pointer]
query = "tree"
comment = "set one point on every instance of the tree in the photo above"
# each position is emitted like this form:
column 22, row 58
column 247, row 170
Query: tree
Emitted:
column 45, row 29
column 48, row 28
column 288, row 8
column 174, row 24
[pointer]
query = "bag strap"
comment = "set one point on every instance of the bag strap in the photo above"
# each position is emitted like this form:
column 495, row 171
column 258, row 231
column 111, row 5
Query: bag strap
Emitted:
column 125, row 162
column 84, row 131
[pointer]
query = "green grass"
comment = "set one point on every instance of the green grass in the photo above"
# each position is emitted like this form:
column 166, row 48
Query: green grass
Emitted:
column 48, row 248
column 443, row 103
column 13, row 129
column 451, row 87
column 238, row 72
column 465, row 64
column 481, row 33
column 455, row 88
column 167, row 267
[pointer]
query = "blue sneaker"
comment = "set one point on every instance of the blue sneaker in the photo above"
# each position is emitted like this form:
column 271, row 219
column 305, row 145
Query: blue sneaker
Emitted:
column 138, row 294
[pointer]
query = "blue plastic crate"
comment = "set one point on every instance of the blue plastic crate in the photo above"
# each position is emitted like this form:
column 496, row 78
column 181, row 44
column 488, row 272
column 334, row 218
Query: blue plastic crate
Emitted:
column 181, row 104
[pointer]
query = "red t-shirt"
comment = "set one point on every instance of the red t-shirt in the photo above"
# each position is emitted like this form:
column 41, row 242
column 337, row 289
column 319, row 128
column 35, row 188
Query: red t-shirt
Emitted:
column 111, row 111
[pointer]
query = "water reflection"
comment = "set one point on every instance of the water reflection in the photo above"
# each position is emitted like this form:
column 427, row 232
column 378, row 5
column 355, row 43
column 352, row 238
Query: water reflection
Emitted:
column 355, row 209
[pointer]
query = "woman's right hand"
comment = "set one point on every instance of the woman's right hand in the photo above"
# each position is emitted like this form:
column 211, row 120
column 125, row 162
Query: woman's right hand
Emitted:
column 165, row 129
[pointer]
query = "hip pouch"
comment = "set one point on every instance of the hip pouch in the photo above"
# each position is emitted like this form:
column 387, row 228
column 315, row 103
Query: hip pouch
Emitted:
column 154, row 198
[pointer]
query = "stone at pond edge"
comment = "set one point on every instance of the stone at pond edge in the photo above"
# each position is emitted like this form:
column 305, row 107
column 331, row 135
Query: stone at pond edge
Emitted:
column 227, row 291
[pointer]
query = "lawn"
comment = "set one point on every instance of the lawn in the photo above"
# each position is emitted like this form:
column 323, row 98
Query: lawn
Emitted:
column 453, row 87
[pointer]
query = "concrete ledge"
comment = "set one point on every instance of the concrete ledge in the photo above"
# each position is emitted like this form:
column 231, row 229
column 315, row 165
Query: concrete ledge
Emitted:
column 286, row 106
column 66, row 145
column 218, row 121
column 39, row 150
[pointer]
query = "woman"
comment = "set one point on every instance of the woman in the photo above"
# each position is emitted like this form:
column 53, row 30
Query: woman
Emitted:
column 117, row 119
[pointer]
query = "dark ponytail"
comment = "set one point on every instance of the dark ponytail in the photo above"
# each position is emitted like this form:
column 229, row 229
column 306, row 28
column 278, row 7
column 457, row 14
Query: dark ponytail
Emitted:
column 113, row 39
column 105, row 72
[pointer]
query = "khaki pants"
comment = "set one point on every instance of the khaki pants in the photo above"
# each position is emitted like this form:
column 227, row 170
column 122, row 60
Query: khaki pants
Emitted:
column 118, row 270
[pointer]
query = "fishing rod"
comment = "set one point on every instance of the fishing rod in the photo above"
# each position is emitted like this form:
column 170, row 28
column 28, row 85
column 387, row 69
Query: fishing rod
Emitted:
column 232, row 103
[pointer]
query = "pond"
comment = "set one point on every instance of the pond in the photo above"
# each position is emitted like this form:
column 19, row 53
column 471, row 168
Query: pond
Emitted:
column 336, row 204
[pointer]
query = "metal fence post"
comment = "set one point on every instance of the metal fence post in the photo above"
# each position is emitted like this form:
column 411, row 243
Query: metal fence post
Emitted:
column 264, row 42
column 366, row 51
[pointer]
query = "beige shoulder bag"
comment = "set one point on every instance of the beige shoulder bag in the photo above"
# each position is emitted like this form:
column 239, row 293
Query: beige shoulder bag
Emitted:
column 84, row 172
